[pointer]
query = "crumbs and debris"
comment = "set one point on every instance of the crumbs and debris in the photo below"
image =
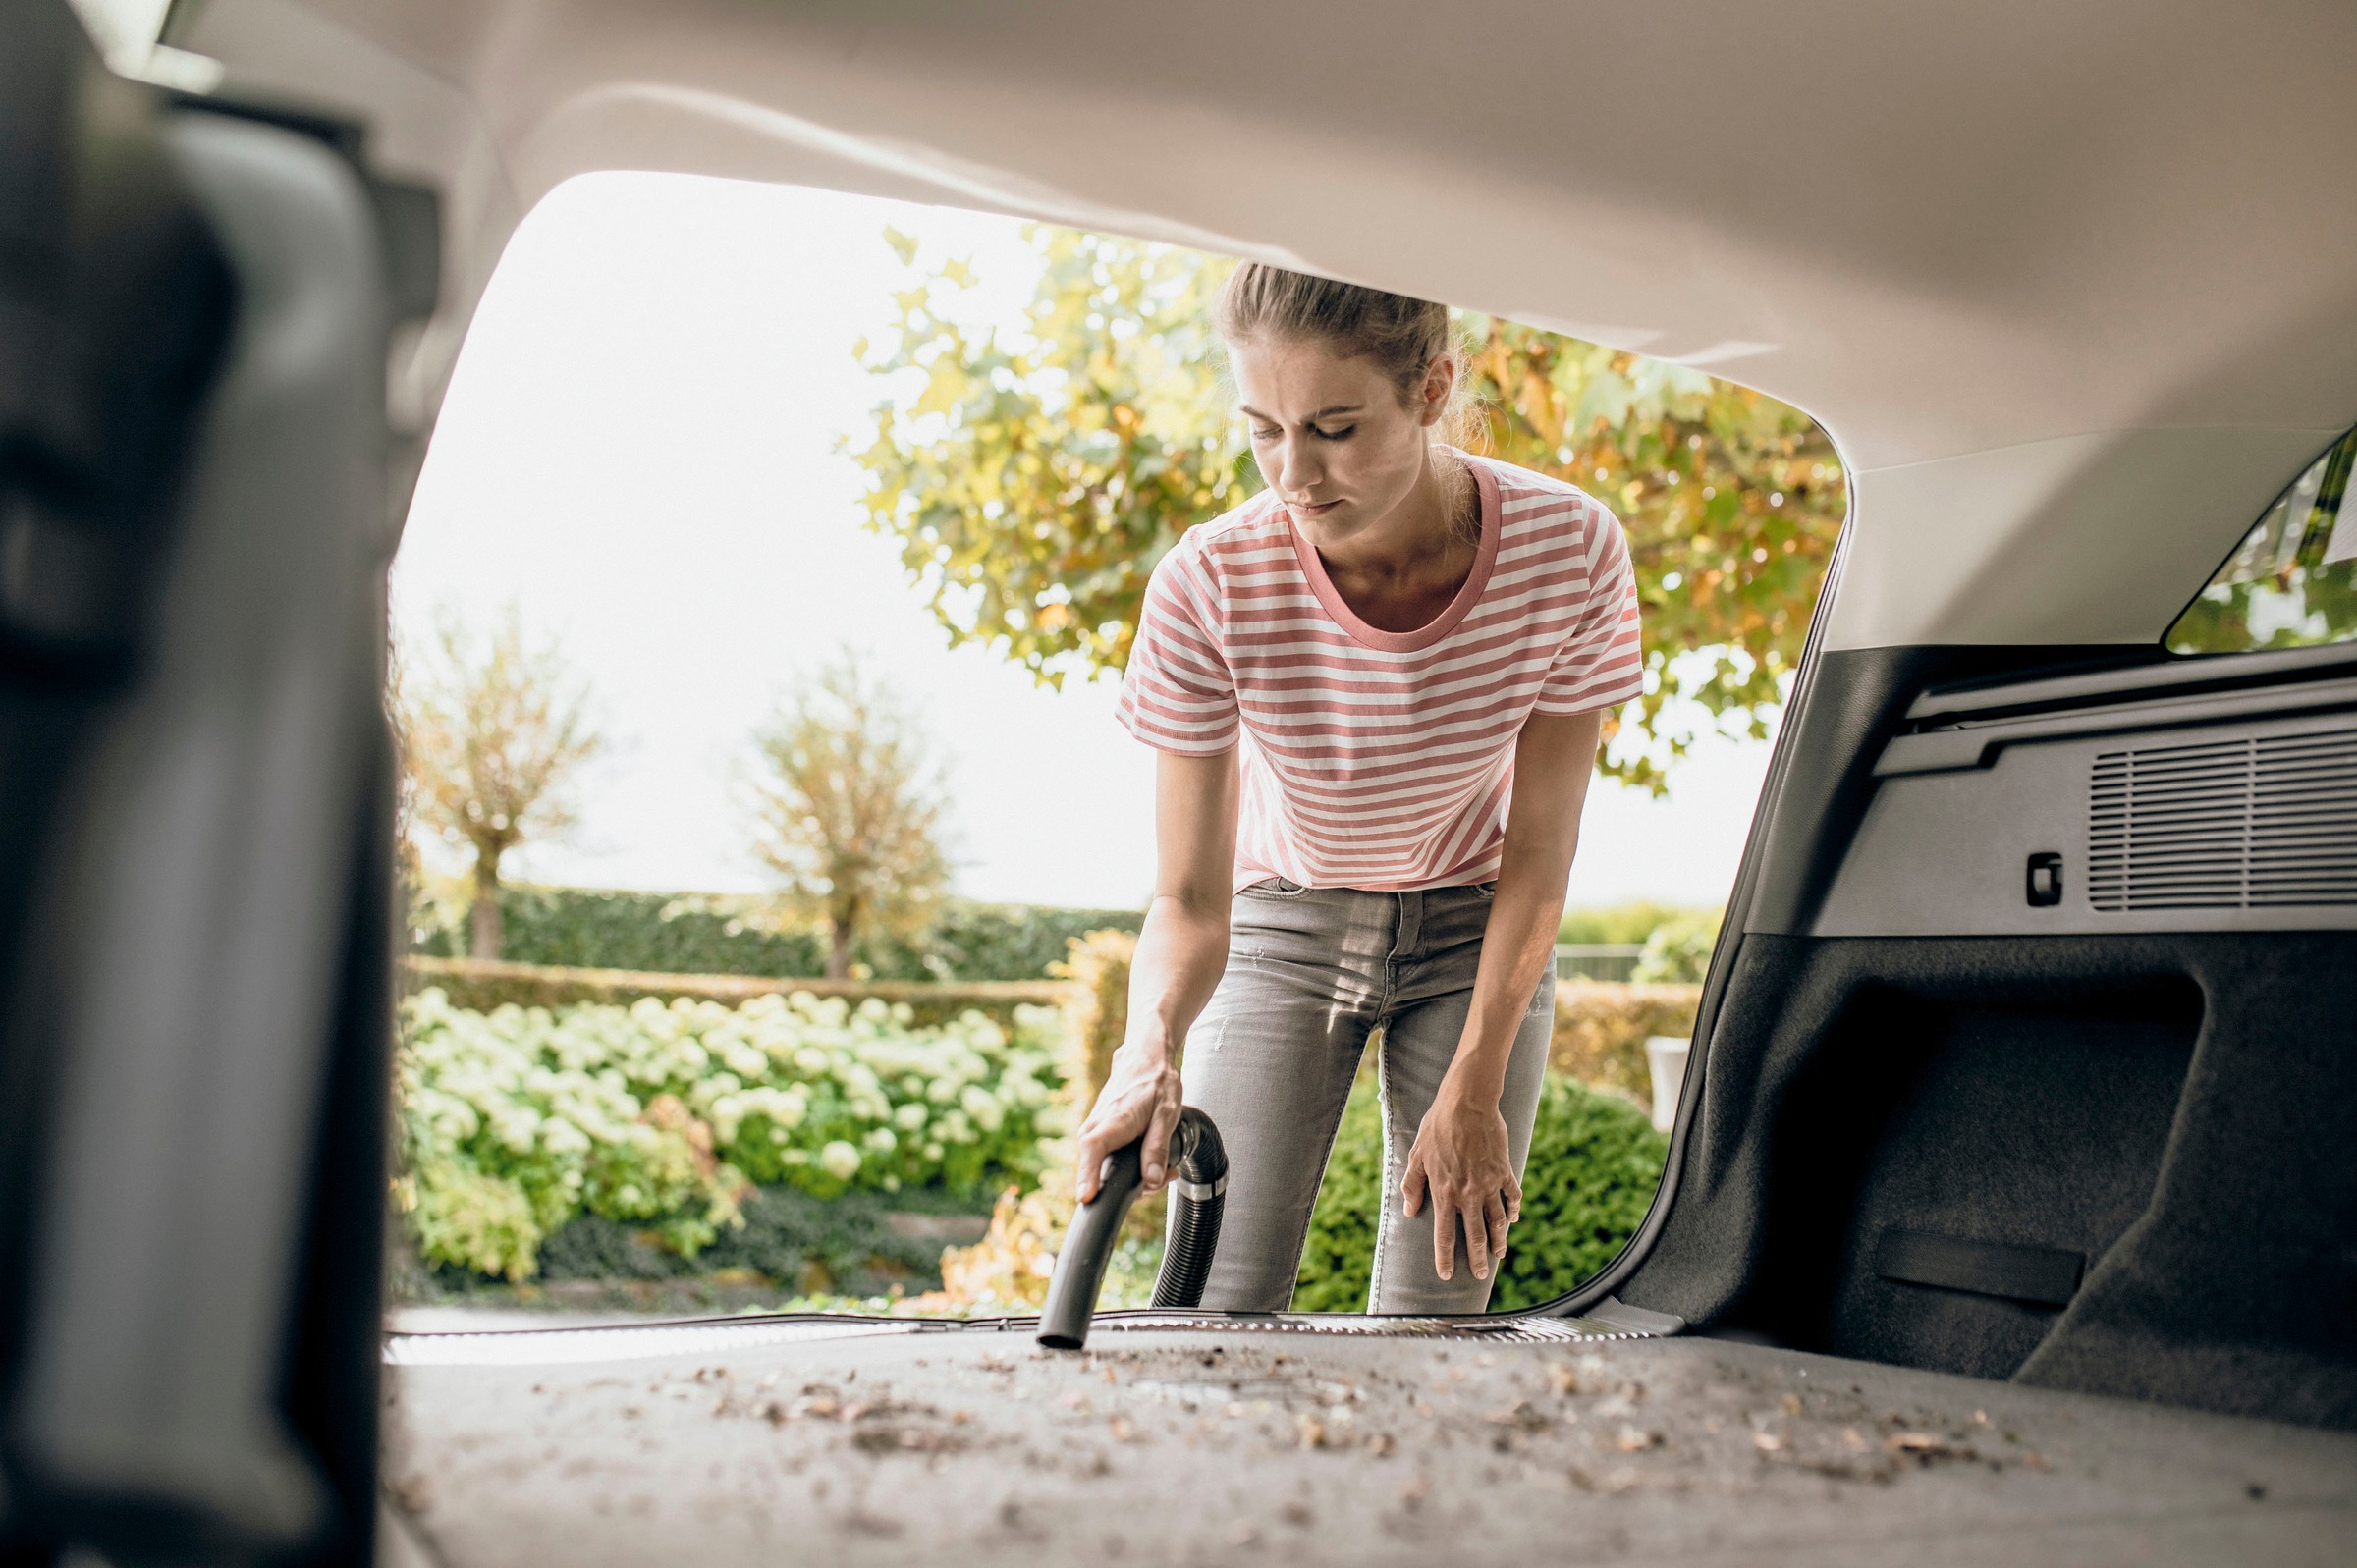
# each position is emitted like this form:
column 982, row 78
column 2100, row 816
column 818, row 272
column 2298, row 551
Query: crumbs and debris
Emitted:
column 1602, row 1424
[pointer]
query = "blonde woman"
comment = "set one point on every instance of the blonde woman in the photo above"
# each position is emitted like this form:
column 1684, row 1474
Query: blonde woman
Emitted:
column 1376, row 689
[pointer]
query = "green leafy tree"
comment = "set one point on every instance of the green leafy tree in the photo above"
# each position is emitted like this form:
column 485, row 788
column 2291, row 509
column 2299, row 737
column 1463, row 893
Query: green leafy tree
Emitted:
column 1033, row 478
column 1730, row 501
column 1033, row 481
column 849, row 811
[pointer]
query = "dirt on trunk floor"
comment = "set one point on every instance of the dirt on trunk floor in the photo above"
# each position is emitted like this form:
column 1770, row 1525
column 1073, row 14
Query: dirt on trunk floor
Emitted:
column 1186, row 1448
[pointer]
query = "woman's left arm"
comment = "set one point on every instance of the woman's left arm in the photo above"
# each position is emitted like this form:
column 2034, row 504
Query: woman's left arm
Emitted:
column 1461, row 1162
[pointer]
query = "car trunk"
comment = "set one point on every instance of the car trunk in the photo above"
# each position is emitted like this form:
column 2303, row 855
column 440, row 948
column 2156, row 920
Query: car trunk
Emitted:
column 2088, row 1131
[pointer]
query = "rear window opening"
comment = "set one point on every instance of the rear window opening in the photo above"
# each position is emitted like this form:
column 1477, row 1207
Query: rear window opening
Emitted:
column 2292, row 580
column 722, row 459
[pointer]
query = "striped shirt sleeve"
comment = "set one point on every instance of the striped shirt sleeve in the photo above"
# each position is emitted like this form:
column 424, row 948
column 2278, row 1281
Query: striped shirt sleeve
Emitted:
column 1599, row 664
column 1177, row 694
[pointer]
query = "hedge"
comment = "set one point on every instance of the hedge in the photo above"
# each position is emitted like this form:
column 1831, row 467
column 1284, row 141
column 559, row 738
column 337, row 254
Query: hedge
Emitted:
column 1595, row 1162
column 1601, row 1028
column 709, row 934
column 485, row 985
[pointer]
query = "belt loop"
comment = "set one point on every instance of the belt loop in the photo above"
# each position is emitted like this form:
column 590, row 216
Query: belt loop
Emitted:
column 1411, row 924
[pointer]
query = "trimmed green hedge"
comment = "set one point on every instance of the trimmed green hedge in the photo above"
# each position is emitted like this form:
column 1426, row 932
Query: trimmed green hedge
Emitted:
column 701, row 934
column 1595, row 1162
column 483, row 985
column 590, row 928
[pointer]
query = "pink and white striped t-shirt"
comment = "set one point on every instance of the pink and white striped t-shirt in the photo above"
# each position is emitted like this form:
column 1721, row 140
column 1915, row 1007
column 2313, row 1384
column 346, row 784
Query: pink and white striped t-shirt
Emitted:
column 1373, row 759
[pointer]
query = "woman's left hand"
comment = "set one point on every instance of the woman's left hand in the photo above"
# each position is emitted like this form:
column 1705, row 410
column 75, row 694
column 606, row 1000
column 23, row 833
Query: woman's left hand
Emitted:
column 1459, row 1163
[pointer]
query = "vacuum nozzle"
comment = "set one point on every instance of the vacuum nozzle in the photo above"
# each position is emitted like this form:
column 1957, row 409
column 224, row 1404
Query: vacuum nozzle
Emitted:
column 1198, row 1167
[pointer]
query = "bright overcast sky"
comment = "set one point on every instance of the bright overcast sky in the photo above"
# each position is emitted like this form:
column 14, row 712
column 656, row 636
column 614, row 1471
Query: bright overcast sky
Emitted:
column 639, row 451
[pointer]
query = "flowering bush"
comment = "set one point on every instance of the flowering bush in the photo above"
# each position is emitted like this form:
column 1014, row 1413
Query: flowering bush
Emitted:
column 516, row 1120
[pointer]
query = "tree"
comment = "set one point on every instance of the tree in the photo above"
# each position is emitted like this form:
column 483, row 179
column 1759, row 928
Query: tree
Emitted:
column 1033, row 481
column 1730, row 500
column 1032, row 487
column 849, row 810
column 494, row 734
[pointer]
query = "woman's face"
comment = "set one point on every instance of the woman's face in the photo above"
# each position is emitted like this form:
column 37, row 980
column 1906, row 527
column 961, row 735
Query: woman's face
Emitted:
column 1331, row 434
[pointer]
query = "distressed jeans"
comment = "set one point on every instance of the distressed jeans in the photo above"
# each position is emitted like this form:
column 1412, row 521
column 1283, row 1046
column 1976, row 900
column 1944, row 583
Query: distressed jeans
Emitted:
column 1312, row 972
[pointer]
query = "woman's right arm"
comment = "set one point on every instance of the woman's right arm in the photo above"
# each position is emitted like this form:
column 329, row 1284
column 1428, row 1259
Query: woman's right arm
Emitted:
column 1181, row 953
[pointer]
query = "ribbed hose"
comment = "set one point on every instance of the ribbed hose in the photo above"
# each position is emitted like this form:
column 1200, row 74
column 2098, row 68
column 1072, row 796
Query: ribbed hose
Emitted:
column 1198, row 1193
column 1198, row 1184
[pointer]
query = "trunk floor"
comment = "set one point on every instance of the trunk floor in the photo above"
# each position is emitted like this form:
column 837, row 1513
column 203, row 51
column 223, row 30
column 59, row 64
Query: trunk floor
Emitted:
column 1198, row 1447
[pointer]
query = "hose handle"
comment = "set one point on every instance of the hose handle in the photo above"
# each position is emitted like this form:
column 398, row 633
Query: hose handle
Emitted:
column 1198, row 1169
column 1087, row 1248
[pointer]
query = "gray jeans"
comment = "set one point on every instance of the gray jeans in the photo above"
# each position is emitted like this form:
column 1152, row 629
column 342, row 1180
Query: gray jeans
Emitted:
column 1311, row 974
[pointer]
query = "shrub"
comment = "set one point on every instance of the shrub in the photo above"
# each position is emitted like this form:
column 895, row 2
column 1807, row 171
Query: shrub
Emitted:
column 474, row 985
column 1007, row 1269
column 711, row 934
column 1098, row 1015
column 1601, row 1028
column 1595, row 1165
column 478, row 1223
column 788, row 1237
column 1338, row 1259
column 1616, row 923
column 596, row 929
column 662, row 1118
column 1679, row 952
column 997, row 941
column 1595, row 1162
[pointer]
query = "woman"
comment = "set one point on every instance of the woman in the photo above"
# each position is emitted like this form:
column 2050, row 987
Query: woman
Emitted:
column 1376, row 689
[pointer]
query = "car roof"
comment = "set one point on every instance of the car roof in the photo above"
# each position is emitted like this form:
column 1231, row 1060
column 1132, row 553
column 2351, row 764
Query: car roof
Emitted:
column 2073, row 287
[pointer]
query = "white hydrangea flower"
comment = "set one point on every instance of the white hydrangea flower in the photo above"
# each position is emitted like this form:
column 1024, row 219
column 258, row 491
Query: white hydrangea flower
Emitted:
column 561, row 1087
column 559, row 1136
column 978, row 1102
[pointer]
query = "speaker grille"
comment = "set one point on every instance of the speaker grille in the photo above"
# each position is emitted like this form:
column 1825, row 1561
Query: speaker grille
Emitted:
column 2248, row 823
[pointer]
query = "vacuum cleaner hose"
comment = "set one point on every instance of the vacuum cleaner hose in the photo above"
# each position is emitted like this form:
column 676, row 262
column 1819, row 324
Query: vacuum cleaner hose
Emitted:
column 1199, row 1192
column 1199, row 1166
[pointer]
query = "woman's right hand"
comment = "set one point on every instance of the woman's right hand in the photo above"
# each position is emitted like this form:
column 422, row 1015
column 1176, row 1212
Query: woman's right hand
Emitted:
column 1141, row 1095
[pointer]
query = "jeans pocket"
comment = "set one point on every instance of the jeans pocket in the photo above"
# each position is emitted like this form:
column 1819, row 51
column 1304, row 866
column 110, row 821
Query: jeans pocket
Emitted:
column 1485, row 890
column 1277, row 888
